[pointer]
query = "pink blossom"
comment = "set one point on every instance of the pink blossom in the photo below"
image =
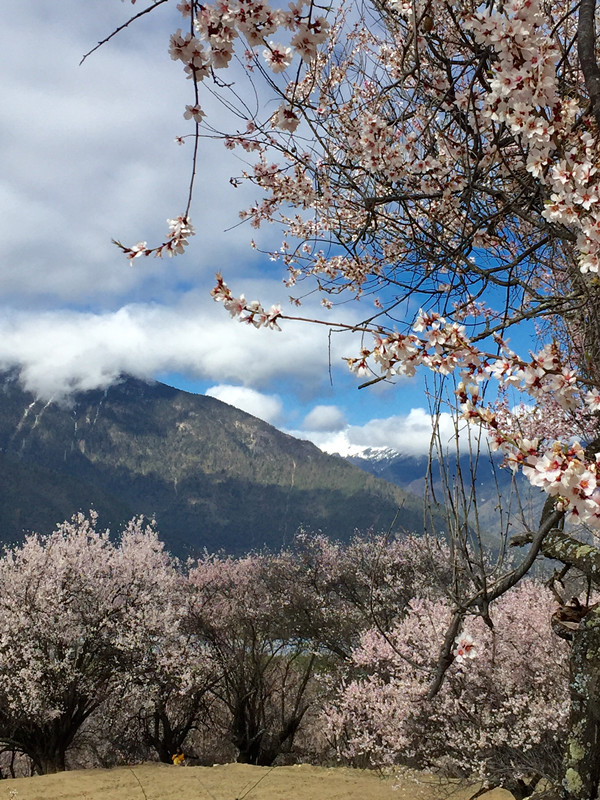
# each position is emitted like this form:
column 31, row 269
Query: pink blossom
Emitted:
column 466, row 649
column 285, row 118
column 139, row 249
column 194, row 112
column 277, row 56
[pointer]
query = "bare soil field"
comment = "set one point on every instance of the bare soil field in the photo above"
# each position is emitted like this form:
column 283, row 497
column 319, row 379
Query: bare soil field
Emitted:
column 233, row 782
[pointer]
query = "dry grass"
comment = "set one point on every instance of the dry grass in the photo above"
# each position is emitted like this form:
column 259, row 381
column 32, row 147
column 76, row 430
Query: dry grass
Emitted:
column 233, row 782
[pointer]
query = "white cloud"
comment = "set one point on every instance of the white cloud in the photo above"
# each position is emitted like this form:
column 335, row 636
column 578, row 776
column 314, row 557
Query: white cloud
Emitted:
column 90, row 154
column 407, row 434
column 64, row 351
column 325, row 418
column 266, row 407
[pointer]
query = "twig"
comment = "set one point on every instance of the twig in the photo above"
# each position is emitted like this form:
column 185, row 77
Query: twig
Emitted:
column 254, row 785
column 122, row 27
column 138, row 780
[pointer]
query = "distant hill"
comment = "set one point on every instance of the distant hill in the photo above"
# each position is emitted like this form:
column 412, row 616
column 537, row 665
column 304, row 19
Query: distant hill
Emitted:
column 213, row 476
column 495, row 487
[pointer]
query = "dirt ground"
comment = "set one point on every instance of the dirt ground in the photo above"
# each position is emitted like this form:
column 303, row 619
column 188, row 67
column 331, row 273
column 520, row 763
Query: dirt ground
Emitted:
column 232, row 782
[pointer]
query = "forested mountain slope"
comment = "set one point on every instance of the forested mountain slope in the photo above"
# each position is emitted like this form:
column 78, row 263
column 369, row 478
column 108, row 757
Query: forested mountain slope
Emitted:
column 213, row 476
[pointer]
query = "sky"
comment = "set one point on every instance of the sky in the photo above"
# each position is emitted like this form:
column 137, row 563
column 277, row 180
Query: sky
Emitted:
column 89, row 154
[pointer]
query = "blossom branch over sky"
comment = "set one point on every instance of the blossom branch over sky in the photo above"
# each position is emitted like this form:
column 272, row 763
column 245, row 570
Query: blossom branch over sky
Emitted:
column 446, row 155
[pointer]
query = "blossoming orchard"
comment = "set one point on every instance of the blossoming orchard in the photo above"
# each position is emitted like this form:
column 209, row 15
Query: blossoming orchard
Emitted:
column 113, row 652
column 438, row 161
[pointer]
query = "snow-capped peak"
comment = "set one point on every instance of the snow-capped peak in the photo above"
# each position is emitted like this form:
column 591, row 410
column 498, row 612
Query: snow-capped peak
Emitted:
column 365, row 452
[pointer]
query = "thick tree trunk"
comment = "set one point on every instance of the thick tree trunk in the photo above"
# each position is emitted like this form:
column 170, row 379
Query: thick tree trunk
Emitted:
column 162, row 737
column 257, row 744
column 50, row 759
column 581, row 777
column 47, row 744
column 582, row 757
column 246, row 728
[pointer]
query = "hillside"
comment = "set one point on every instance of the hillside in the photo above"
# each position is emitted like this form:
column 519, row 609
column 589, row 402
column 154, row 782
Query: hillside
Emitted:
column 213, row 476
column 495, row 487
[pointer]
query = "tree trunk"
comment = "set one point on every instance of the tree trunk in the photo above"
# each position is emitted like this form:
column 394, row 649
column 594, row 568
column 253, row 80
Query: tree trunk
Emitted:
column 49, row 760
column 581, row 774
column 246, row 728
column 582, row 757
column 162, row 738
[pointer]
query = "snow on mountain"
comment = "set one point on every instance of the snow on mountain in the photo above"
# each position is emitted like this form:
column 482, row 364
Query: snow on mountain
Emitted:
column 374, row 454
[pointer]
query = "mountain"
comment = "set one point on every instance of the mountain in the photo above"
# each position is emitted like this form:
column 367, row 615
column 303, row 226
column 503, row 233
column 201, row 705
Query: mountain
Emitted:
column 213, row 477
column 495, row 488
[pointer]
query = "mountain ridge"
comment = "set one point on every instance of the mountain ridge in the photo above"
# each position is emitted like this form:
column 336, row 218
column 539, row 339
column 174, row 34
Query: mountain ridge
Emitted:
column 496, row 489
column 214, row 476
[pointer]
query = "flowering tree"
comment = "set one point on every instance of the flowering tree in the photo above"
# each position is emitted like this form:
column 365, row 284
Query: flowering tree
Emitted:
column 77, row 612
column 266, row 660
column 439, row 156
column 167, row 683
column 166, row 702
column 172, row 698
column 501, row 714
column 281, row 627
column 336, row 590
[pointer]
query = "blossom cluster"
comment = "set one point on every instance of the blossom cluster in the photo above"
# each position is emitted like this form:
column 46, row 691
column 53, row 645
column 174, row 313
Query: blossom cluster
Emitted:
column 250, row 312
column 524, row 95
column 180, row 229
column 560, row 467
column 217, row 27
column 466, row 649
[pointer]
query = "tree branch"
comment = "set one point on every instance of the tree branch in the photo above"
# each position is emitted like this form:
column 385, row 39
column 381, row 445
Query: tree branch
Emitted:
column 586, row 50
column 500, row 587
column 122, row 27
column 569, row 551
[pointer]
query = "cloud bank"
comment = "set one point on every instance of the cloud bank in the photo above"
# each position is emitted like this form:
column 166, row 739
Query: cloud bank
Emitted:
column 59, row 352
column 409, row 434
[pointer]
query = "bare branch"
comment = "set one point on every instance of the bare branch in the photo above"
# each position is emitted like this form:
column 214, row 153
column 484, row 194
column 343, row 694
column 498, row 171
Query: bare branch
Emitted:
column 549, row 521
column 122, row 27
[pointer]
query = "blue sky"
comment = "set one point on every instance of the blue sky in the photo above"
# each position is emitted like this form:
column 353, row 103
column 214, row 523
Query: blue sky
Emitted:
column 89, row 153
